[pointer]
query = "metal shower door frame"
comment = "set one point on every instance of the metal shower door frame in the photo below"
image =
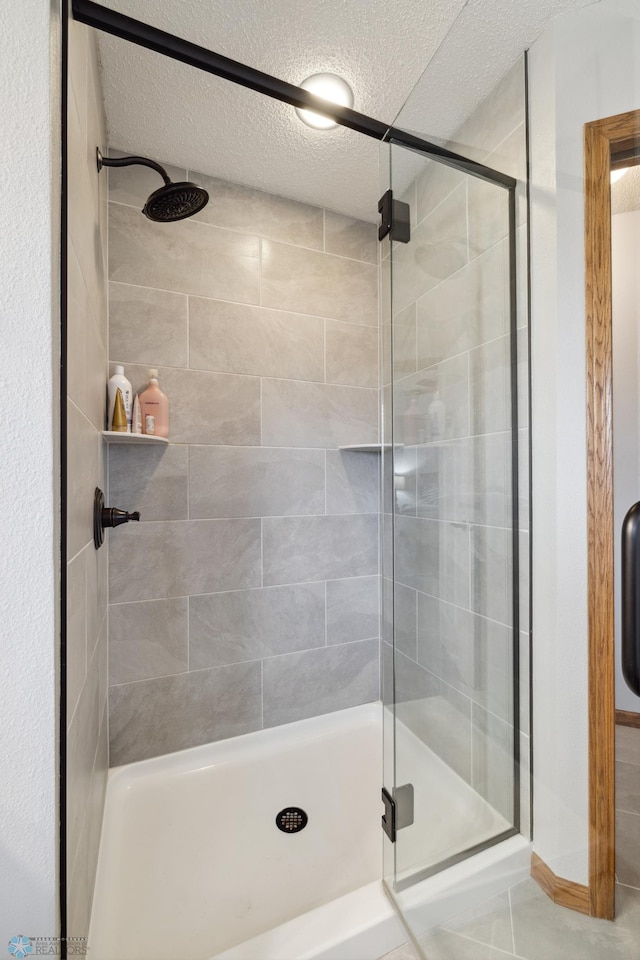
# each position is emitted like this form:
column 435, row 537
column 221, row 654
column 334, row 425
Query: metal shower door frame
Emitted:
column 152, row 38
column 412, row 143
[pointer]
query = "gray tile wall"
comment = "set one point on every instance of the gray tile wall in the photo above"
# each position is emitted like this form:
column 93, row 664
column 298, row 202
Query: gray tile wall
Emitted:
column 247, row 596
column 87, row 572
column 453, row 505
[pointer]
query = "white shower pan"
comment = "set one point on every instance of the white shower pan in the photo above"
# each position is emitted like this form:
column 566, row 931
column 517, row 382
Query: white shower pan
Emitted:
column 192, row 864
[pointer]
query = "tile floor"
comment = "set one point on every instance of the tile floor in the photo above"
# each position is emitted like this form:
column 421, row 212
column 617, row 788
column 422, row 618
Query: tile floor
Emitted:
column 523, row 924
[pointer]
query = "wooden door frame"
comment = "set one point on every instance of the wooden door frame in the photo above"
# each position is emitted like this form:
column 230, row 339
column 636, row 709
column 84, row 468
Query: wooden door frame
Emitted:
column 602, row 138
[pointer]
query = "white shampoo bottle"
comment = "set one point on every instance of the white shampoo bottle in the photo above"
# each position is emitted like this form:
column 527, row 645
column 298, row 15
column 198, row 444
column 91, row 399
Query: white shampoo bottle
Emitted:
column 118, row 380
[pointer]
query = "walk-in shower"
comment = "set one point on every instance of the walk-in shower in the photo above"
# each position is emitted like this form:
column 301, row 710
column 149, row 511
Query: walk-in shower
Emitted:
column 281, row 519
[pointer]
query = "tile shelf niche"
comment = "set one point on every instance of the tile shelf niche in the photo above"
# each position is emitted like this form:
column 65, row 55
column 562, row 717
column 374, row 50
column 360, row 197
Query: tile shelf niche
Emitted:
column 111, row 436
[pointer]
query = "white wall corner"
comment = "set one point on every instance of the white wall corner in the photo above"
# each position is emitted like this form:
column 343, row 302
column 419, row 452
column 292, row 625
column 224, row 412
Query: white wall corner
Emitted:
column 559, row 611
column 581, row 69
column 29, row 491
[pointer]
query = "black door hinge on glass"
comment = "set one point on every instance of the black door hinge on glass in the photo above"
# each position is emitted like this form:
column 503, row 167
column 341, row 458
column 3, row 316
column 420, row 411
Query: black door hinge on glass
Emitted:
column 396, row 219
column 398, row 810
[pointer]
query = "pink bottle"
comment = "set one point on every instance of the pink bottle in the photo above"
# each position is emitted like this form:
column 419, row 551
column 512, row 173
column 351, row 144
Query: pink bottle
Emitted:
column 154, row 408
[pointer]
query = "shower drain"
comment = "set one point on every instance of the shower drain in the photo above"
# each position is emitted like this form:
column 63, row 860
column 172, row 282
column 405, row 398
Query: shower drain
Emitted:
column 291, row 820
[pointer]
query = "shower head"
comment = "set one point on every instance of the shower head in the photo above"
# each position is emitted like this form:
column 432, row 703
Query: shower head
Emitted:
column 173, row 201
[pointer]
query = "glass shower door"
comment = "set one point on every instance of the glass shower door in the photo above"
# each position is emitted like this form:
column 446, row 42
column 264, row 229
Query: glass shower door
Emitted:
column 450, row 547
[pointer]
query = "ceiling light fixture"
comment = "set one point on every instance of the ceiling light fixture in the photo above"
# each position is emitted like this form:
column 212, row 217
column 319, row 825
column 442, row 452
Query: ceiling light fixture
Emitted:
column 618, row 174
column 331, row 88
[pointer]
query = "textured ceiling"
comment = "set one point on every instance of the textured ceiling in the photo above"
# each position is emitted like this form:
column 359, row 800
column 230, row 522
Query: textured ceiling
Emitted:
column 488, row 37
column 193, row 120
column 625, row 193
column 175, row 113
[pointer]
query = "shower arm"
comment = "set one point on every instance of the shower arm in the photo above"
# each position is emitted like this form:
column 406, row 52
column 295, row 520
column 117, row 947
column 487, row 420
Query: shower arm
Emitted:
column 129, row 162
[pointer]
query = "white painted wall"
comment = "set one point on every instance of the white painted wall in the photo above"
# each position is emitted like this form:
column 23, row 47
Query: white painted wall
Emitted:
column 625, row 245
column 583, row 68
column 29, row 172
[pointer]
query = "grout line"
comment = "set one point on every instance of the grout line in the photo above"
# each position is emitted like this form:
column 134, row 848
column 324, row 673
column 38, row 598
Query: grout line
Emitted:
column 471, row 728
column 496, row 149
column 325, row 483
column 261, row 552
column 299, row 246
column 465, row 266
column 467, row 219
column 216, row 593
column 246, row 376
column 236, row 663
column 480, row 943
column 288, row 516
column 436, row 367
column 188, row 331
column 188, row 482
column 257, row 446
column 85, row 417
column 509, row 433
column 241, row 303
column 449, row 441
column 262, row 693
column 161, row 676
column 84, row 546
column 471, row 567
column 324, row 350
column 472, row 701
column 457, row 606
column 188, row 635
column 258, row 236
column 326, row 614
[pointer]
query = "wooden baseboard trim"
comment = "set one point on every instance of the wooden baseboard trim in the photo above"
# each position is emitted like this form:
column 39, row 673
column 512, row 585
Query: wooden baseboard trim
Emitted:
column 626, row 718
column 566, row 893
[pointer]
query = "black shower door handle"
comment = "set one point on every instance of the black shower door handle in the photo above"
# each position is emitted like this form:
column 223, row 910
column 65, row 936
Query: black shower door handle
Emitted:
column 631, row 598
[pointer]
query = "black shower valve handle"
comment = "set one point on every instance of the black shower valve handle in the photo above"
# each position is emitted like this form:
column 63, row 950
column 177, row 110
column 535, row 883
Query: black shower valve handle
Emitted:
column 113, row 517
column 107, row 517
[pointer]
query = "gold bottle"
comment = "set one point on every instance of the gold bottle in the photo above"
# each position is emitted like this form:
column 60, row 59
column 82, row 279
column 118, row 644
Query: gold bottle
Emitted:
column 119, row 422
